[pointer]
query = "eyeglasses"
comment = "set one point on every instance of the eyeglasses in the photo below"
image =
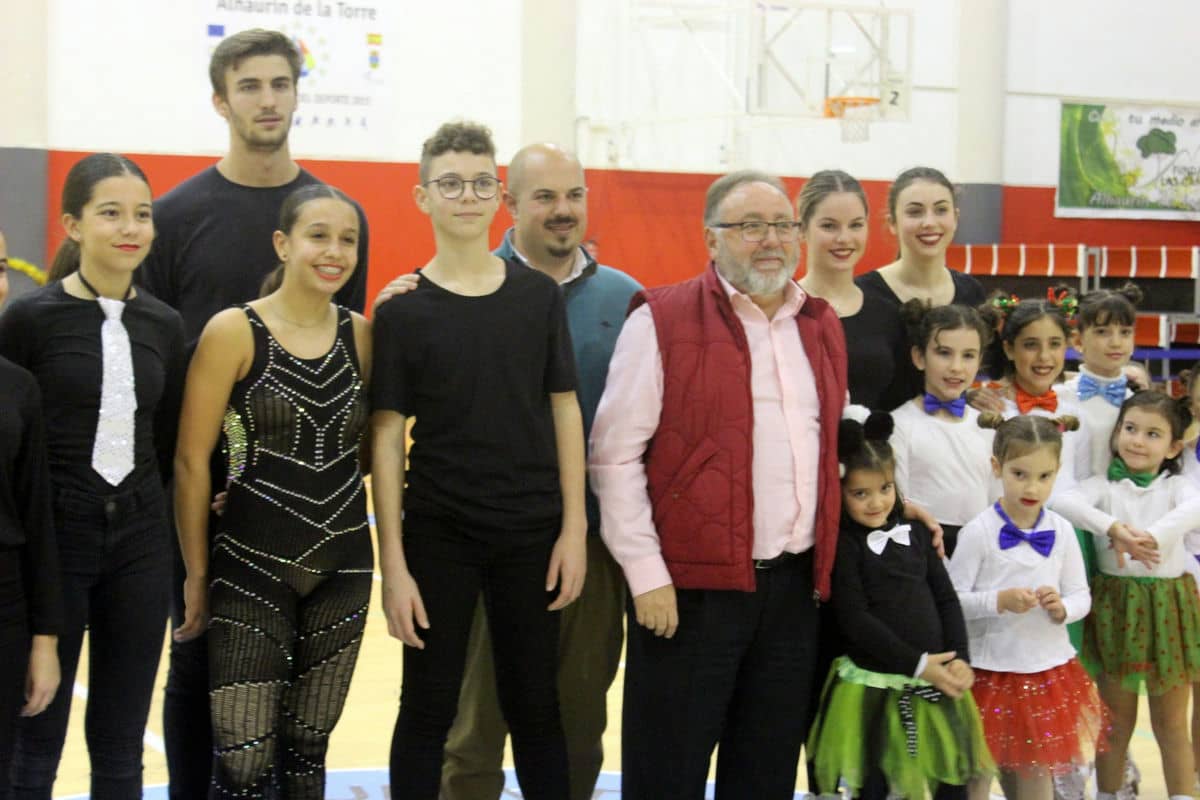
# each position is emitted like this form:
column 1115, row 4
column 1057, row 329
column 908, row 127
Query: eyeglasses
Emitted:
column 451, row 186
column 787, row 230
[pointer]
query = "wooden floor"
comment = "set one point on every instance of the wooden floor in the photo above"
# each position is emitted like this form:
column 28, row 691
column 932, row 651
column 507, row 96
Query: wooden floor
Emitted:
column 362, row 738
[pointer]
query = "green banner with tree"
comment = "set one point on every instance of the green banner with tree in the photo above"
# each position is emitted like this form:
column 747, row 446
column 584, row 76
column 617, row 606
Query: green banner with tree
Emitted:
column 1129, row 161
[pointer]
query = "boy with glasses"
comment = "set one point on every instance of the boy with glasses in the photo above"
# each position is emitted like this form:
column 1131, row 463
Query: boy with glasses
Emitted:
column 492, row 500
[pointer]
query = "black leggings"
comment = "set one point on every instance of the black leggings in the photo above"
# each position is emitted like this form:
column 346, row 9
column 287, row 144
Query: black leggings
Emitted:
column 451, row 567
column 282, row 643
column 115, row 581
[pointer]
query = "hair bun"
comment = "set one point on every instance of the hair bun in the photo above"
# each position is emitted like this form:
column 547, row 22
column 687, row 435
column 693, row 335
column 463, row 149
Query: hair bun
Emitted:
column 850, row 438
column 879, row 426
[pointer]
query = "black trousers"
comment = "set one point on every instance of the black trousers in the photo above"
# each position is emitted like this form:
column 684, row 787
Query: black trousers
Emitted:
column 187, row 720
column 14, row 643
column 113, row 552
column 451, row 566
column 737, row 673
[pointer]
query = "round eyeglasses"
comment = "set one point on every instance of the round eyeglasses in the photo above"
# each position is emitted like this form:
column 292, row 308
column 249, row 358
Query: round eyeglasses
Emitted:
column 451, row 186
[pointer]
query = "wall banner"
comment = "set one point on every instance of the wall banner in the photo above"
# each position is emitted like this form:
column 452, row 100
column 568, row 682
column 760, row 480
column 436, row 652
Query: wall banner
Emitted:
column 1129, row 162
column 343, row 91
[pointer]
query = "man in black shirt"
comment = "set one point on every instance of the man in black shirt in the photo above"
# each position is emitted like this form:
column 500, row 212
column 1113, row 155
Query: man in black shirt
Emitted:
column 212, row 250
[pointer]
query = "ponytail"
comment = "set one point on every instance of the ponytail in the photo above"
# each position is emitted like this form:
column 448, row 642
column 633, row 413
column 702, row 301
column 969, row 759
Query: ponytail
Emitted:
column 66, row 260
column 272, row 282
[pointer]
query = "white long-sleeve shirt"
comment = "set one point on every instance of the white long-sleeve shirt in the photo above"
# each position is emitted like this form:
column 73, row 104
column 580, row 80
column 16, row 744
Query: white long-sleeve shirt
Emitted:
column 1167, row 509
column 979, row 569
column 944, row 464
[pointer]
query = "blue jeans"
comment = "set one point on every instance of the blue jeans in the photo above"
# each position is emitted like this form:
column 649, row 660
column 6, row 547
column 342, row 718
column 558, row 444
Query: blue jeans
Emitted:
column 113, row 551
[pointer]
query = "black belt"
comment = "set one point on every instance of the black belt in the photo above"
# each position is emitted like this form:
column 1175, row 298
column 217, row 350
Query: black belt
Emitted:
column 782, row 558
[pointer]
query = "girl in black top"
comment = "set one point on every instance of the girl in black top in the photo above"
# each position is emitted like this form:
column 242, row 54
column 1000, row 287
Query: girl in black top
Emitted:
column 832, row 210
column 30, row 592
column 923, row 215
column 109, row 362
column 289, row 575
column 896, row 715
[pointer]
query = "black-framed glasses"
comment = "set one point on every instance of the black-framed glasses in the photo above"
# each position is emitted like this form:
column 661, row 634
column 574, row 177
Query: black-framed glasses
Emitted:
column 451, row 186
column 755, row 231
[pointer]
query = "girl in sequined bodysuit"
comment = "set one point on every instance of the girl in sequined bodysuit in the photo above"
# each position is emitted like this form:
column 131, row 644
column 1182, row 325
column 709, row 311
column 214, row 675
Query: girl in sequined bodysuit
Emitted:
column 285, row 591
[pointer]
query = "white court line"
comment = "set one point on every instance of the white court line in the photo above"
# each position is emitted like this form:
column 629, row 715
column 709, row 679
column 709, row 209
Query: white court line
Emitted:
column 150, row 739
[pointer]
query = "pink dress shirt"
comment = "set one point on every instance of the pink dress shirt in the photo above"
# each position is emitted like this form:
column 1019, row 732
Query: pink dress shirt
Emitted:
column 786, row 438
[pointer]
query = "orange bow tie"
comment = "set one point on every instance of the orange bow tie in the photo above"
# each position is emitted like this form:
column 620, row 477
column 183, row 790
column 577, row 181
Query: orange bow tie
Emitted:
column 1027, row 402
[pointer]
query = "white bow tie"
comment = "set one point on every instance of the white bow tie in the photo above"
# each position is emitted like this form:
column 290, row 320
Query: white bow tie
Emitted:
column 877, row 540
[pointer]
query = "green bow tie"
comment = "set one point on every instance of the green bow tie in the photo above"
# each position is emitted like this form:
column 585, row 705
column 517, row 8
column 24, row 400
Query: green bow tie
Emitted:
column 1118, row 471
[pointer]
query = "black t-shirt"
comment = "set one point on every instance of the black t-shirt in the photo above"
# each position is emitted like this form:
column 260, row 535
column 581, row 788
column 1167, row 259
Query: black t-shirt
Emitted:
column 476, row 373
column 26, row 520
column 213, row 247
column 876, row 352
column 909, row 383
column 57, row 338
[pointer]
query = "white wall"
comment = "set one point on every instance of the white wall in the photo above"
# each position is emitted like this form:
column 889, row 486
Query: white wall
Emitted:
column 130, row 75
column 1090, row 50
column 133, row 76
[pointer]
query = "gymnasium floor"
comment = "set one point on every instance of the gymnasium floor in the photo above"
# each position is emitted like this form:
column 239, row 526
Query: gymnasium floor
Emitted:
column 358, row 754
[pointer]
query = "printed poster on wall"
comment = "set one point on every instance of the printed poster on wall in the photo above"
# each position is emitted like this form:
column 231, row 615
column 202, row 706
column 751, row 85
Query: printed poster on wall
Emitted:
column 343, row 92
column 1129, row 162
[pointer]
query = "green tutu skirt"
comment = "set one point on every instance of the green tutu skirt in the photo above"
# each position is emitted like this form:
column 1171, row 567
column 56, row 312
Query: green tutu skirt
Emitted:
column 914, row 734
column 1144, row 630
column 1087, row 546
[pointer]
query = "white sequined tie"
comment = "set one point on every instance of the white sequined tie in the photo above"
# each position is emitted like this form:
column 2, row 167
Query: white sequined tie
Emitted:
column 112, row 453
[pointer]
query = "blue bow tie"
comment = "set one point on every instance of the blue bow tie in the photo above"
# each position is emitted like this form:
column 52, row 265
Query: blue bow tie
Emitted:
column 1113, row 391
column 955, row 407
column 1011, row 536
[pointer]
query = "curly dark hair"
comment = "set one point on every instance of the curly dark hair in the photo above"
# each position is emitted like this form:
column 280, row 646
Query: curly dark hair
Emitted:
column 456, row 137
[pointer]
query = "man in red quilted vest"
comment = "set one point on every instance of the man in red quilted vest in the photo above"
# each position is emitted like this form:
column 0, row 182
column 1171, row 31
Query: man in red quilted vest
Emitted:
column 714, row 456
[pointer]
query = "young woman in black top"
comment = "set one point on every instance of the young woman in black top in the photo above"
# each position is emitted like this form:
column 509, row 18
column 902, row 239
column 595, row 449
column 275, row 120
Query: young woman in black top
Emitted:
column 832, row 210
column 923, row 215
column 109, row 362
column 30, row 591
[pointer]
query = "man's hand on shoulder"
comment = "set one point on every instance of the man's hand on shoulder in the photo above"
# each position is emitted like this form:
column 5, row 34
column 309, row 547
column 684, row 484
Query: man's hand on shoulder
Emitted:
column 656, row 610
column 402, row 285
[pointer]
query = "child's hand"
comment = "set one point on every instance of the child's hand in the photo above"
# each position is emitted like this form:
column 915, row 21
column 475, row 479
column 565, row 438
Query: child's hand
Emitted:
column 962, row 672
column 1125, row 540
column 986, row 398
column 1016, row 601
column 938, row 673
column 1049, row 598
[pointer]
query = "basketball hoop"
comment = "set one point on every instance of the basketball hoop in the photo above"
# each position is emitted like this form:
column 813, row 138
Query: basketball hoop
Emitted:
column 855, row 115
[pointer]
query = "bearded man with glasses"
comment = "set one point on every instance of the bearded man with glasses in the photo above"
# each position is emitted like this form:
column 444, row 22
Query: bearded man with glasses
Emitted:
column 714, row 455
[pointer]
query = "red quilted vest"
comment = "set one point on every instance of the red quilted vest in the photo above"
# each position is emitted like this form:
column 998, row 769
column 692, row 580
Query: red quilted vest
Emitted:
column 698, row 465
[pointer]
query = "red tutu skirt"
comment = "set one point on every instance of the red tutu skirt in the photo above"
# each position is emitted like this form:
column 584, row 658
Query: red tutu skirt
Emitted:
column 1047, row 721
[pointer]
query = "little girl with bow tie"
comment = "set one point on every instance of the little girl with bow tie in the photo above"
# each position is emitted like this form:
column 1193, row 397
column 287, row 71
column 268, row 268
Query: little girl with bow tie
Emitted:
column 1020, row 578
column 896, row 717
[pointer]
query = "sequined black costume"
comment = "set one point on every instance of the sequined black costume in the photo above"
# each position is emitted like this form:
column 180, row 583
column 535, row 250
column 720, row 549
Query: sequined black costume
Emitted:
column 291, row 567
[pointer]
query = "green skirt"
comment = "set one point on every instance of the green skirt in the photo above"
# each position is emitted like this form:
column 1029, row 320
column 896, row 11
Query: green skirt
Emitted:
column 914, row 734
column 1087, row 546
column 1144, row 630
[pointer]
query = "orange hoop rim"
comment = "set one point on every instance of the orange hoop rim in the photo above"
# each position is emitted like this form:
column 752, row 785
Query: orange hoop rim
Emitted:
column 836, row 106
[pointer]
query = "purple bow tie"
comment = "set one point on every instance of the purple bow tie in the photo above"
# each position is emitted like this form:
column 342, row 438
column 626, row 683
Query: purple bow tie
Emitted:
column 955, row 407
column 1011, row 535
